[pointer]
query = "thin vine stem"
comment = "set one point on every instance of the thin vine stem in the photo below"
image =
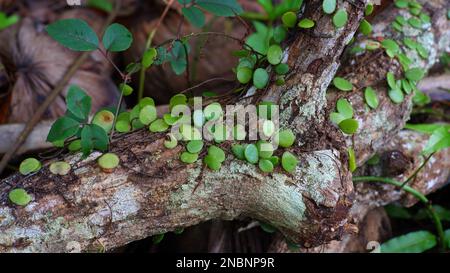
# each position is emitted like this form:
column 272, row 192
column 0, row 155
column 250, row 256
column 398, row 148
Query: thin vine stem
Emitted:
column 147, row 47
column 416, row 172
column 417, row 194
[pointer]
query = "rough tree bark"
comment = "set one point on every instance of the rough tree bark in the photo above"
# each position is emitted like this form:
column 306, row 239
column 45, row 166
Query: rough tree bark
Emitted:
column 400, row 158
column 152, row 192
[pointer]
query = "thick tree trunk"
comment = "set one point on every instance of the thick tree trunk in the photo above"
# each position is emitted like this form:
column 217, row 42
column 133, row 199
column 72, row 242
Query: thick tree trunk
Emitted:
column 152, row 192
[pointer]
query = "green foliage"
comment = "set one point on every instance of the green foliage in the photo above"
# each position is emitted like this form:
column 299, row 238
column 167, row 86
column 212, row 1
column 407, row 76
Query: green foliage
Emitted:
column 104, row 119
column 260, row 78
column 59, row 168
column 149, row 57
column 104, row 5
column 195, row 16
column 265, row 165
column 396, row 95
column 194, row 146
column 75, row 34
column 125, row 89
column 274, row 54
column 19, row 197
column 238, row 151
column 147, row 114
column 286, row 138
column 415, row 74
column 289, row 162
column 342, row 84
column 340, row 18
column 29, row 166
column 306, row 23
column 93, row 137
column 371, row 97
column 170, row 142
column 349, row 126
column 289, row 19
column 157, row 239
column 63, row 129
column 439, row 140
column 221, row 7
column 344, row 108
column 108, row 161
column 351, row 160
column 267, row 228
column 78, row 103
column 188, row 158
column 365, row 27
column 244, row 75
column 7, row 21
column 158, row 126
column 251, row 154
column 329, row 6
column 413, row 242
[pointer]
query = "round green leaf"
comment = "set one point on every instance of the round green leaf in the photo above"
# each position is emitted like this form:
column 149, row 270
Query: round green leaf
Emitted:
column 104, row 119
column 260, row 78
column 179, row 99
column 146, row 101
column 340, row 18
column 19, row 197
column 289, row 19
column 158, row 126
column 244, row 75
column 251, row 154
column 275, row 160
column 195, row 16
column 148, row 114
column 415, row 74
column 75, row 145
column 342, row 84
column 365, row 27
column 170, row 142
column 371, row 97
column 369, row 9
column 306, row 23
column 75, row 34
column 188, row 158
column 406, row 86
column 329, row 6
column 265, row 166
column 108, row 161
column 282, row 69
column 396, row 95
column 117, row 38
column 391, row 80
column 336, row 118
column 349, row 126
column 60, row 168
column 279, row 34
column 286, row 138
column 29, row 165
column 289, row 162
column 415, row 23
column 194, row 146
column 401, row 4
column 274, row 54
column 149, row 57
column 212, row 163
column 265, row 149
column 238, row 151
column 126, row 89
column 344, row 108
column 217, row 153
column 123, row 126
column 213, row 111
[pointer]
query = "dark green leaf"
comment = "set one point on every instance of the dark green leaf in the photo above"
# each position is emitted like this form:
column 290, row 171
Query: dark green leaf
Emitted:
column 104, row 5
column 195, row 16
column 75, row 34
column 93, row 137
column 78, row 102
column 62, row 129
column 117, row 38
column 414, row 242
column 221, row 7
column 349, row 126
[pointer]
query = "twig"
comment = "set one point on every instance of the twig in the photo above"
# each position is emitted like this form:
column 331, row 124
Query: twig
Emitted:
column 417, row 171
column 51, row 97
